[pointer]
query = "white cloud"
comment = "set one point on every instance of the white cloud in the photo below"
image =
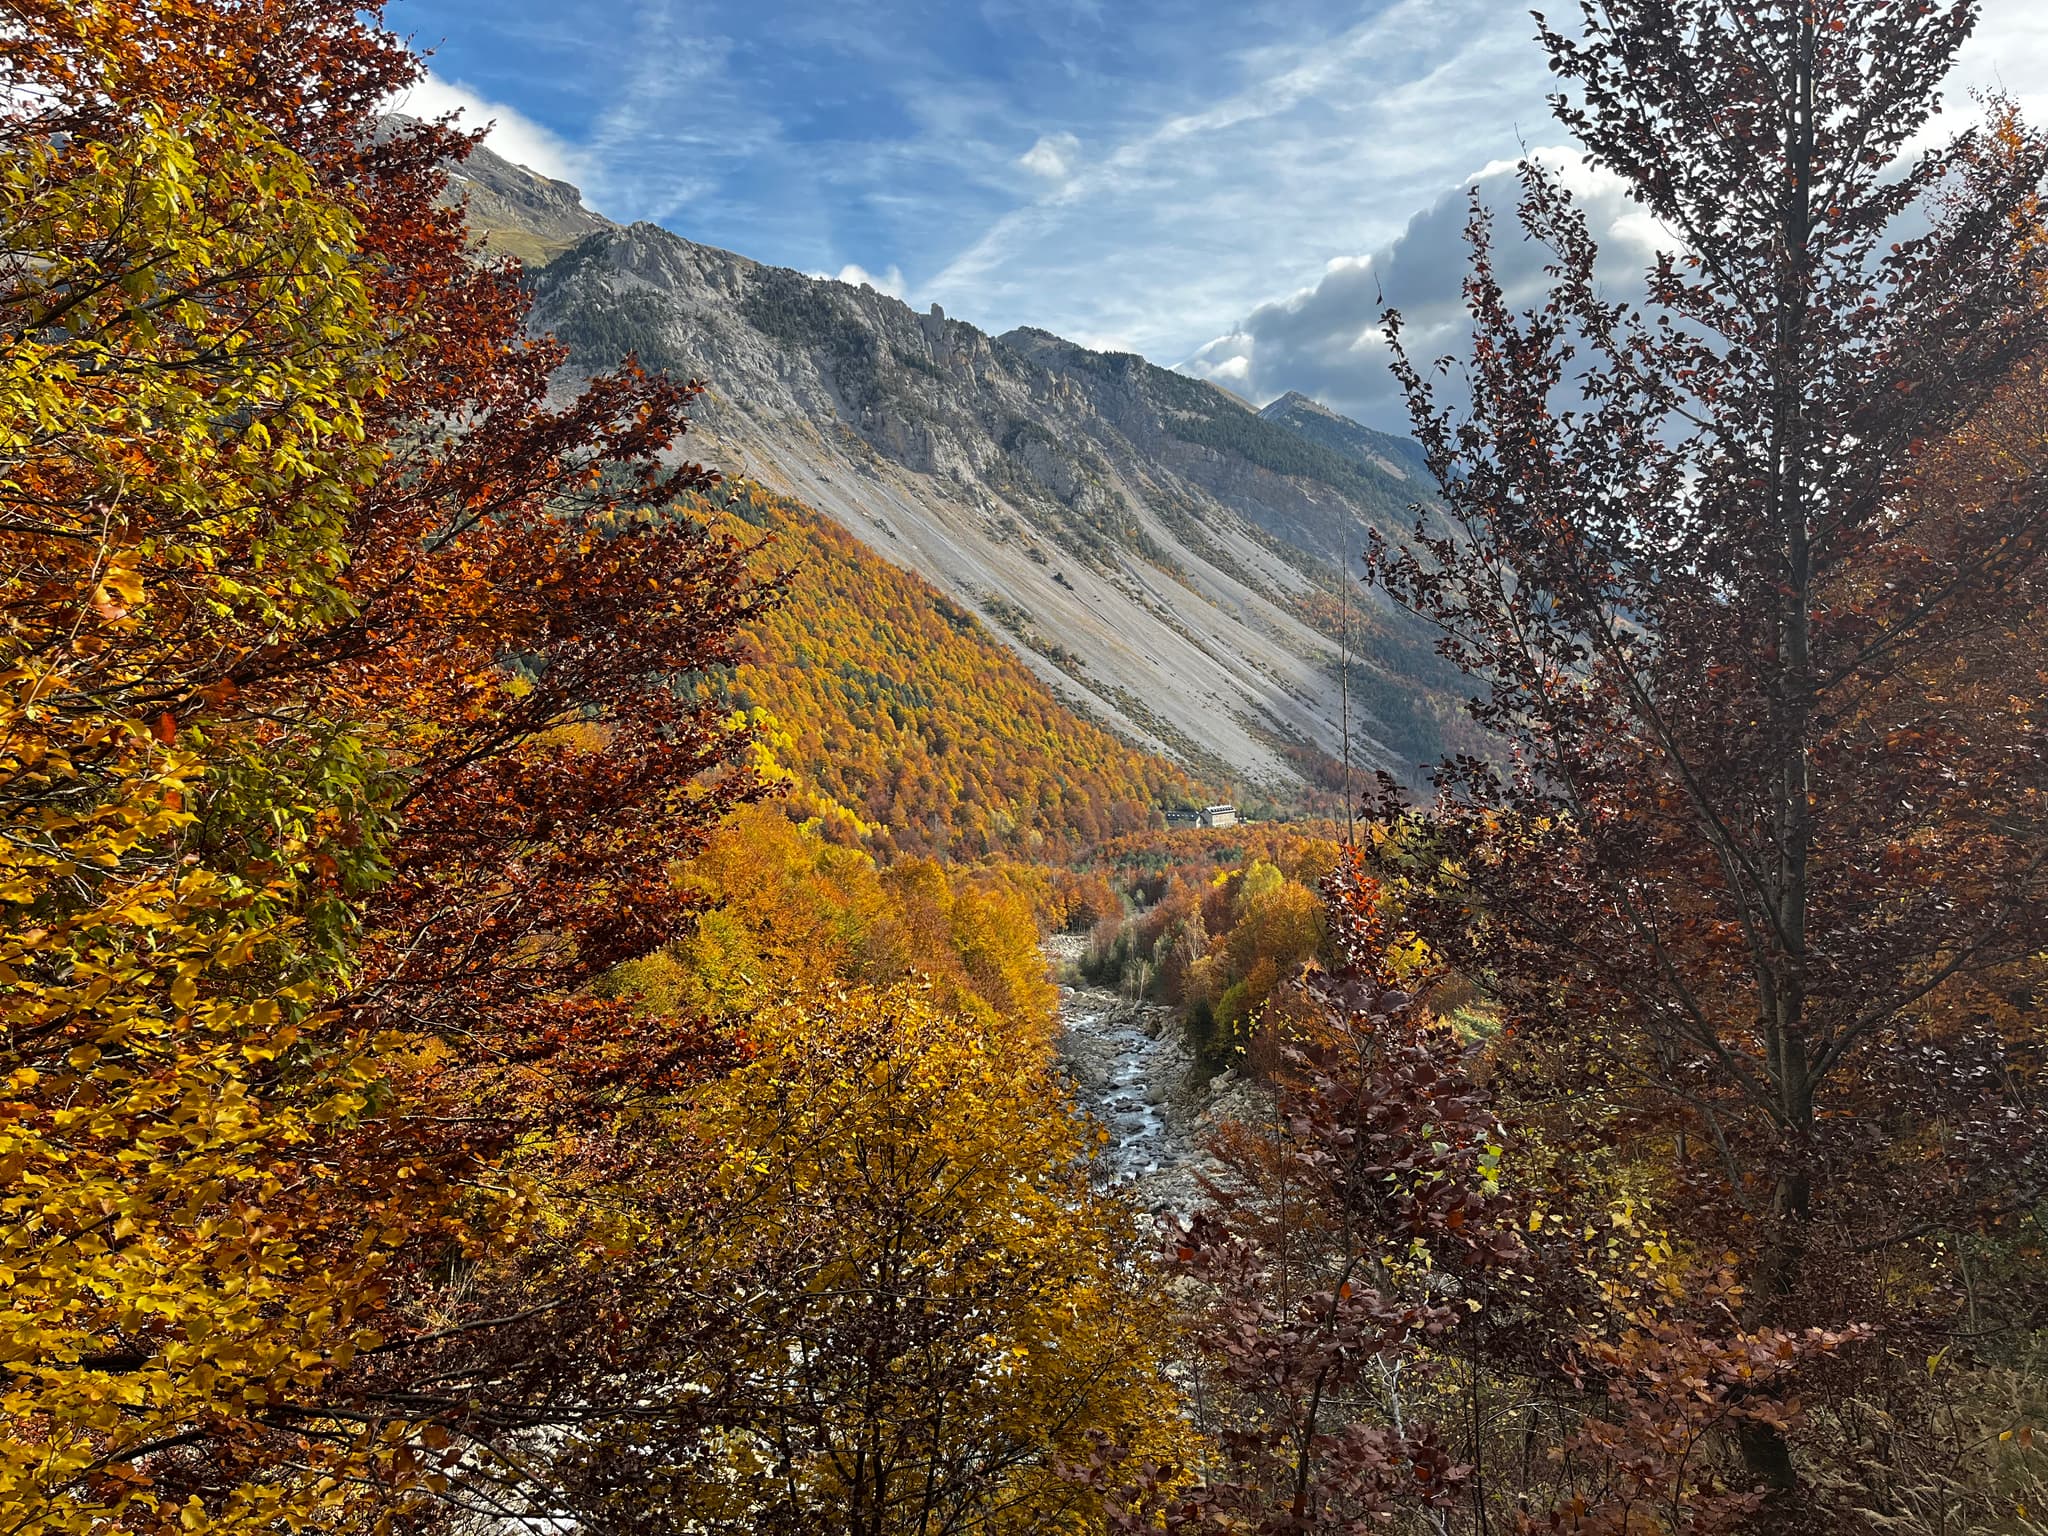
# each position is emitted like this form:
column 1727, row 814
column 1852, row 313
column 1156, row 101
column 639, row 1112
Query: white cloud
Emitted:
column 1052, row 156
column 513, row 135
column 2008, row 52
column 1323, row 338
column 674, row 117
column 889, row 282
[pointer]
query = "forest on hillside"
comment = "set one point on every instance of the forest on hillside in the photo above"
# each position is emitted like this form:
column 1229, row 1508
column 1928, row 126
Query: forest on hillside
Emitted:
column 523, row 980
column 902, row 725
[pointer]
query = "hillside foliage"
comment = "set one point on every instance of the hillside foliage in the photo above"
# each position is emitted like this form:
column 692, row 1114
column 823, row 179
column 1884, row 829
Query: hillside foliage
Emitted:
column 905, row 726
column 348, row 749
column 787, row 912
column 1215, row 924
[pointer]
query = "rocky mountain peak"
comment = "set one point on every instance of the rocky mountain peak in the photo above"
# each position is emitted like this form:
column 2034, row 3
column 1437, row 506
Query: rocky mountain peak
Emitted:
column 1295, row 401
column 1398, row 457
column 1159, row 552
column 518, row 212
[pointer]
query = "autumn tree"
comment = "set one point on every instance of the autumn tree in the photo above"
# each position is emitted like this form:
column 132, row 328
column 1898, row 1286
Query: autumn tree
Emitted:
column 898, row 1307
column 188, row 371
column 1222, row 926
column 904, row 724
column 1271, row 927
column 1346, row 1235
column 789, row 913
column 1343, row 1239
column 343, row 740
column 1407, row 1311
column 1764, row 827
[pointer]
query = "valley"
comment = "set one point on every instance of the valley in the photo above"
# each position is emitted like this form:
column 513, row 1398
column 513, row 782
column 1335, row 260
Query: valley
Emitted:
column 889, row 984
column 1165, row 559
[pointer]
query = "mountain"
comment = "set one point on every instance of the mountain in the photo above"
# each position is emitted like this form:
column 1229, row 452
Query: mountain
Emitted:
column 1399, row 456
column 1162, row 556
column 517, row 212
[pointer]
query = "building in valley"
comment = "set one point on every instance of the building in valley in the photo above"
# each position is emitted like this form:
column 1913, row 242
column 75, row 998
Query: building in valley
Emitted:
column 1206, row 816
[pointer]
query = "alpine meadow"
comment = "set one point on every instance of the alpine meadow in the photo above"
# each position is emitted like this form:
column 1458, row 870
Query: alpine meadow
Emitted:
column 649, row 893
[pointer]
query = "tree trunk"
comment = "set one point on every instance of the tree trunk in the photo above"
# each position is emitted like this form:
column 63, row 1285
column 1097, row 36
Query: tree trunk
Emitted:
column 1766, row 1452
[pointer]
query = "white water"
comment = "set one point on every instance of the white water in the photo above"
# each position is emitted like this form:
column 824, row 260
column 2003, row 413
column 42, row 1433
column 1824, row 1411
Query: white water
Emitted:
column 1123, row 1078
column 1133, row 1078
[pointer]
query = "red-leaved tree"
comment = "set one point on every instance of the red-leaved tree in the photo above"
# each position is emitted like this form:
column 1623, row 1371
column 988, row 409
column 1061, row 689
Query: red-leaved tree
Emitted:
column 1345, row 1243
column 1768, row 834
column 498, row 658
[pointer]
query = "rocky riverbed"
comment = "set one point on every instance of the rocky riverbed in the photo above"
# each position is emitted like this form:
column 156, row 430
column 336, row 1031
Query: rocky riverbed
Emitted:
column 1134, row 1076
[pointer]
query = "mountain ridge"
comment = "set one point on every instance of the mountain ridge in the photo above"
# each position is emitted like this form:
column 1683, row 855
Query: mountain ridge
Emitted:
column 1159, row 552
column 1311, row 419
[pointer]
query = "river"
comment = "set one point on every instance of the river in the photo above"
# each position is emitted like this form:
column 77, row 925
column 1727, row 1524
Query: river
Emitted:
column 1134, row 1077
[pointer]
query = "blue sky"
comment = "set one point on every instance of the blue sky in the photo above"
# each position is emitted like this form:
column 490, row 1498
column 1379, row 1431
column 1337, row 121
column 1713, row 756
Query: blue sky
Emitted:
column 1222, row 185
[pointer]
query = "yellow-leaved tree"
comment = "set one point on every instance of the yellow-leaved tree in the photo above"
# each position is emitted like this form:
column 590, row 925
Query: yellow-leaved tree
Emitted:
column 186, row 353
column 897, row 1306
column 338, row 749
column 789, row 911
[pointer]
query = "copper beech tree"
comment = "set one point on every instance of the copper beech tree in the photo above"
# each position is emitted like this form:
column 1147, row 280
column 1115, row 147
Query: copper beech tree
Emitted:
column 1754, row 609
column 1344, row 1245
column 1408, row 1313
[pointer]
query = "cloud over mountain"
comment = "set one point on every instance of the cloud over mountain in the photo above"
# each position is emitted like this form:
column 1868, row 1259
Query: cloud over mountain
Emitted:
column 1326, row 340
column 513, row 134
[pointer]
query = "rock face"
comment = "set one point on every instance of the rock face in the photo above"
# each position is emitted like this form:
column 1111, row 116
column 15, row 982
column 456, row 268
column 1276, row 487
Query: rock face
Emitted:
column 1162, row 555
column 518, row 212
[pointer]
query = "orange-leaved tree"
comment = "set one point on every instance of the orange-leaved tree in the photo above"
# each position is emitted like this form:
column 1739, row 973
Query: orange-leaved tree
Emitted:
column 334, row 662
column 789, row 912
